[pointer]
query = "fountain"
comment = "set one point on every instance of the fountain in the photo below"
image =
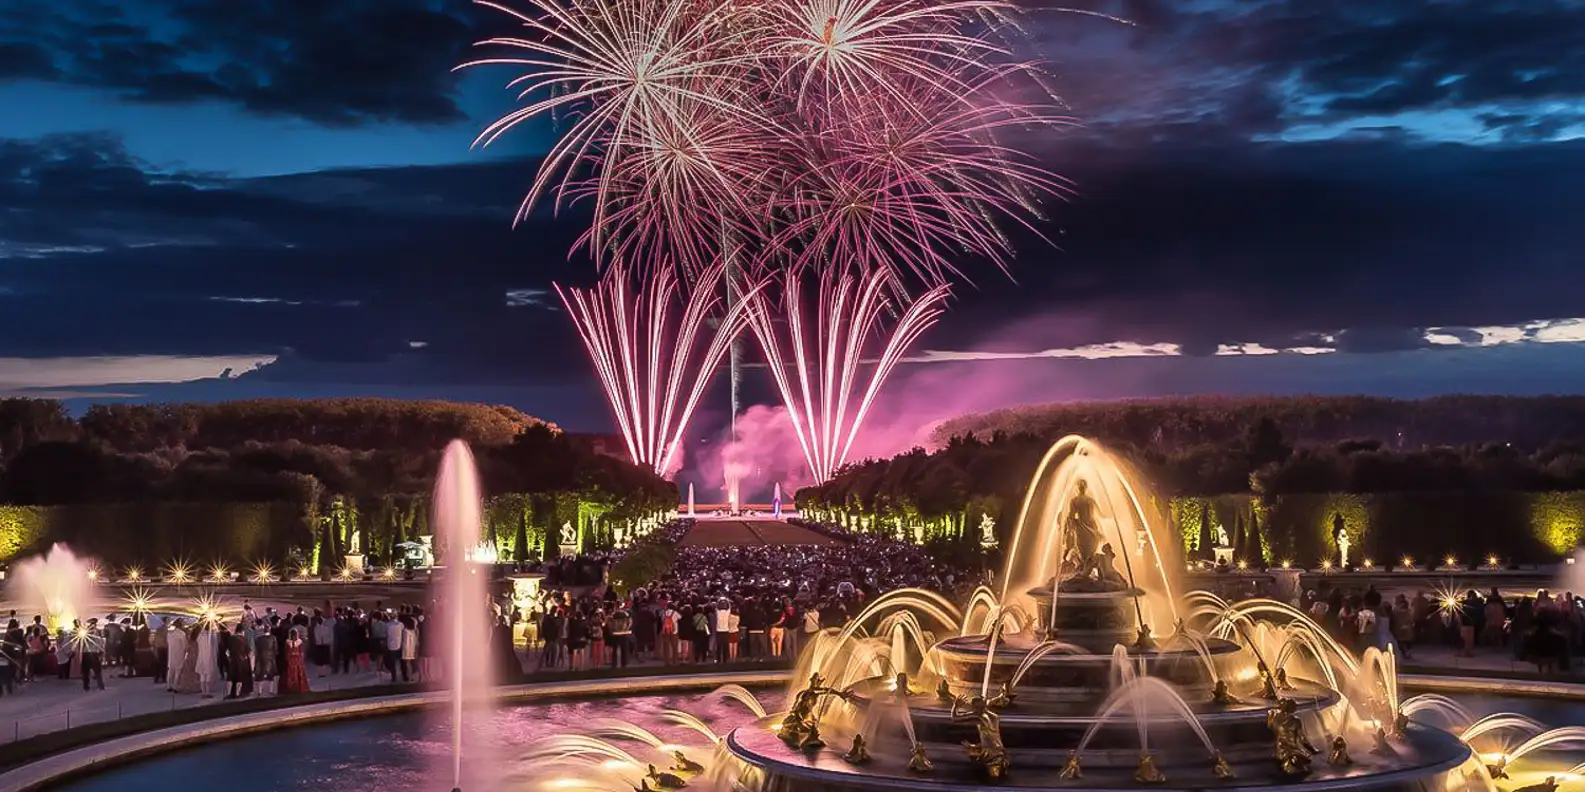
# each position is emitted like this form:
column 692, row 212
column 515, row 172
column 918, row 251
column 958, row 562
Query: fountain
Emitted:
column 464, row 599
column 57, row 584
column 1060, row 680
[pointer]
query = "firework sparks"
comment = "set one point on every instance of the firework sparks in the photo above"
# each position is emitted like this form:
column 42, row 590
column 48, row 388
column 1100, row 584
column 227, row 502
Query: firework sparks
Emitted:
column 653, row 361
column 819, row 367
column 854, row 141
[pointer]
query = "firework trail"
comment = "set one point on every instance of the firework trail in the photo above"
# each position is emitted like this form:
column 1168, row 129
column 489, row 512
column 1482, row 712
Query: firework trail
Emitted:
column 861, row 145
column 654, row 360
column 817, row 355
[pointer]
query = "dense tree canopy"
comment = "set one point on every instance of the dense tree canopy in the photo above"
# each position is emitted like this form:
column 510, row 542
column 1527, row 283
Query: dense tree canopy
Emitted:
column 1179, row 424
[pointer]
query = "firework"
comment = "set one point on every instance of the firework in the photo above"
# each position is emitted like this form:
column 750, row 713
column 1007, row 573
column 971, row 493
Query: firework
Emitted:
column 859, row 144
column 652, row 360
column 792, row 132
column 819, row 363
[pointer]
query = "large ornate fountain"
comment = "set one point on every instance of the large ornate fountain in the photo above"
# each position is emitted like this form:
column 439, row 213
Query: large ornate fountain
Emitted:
column 1089, row 669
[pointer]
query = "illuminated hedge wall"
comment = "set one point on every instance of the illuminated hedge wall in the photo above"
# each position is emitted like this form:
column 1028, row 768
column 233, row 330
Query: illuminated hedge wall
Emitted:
column 1523, row 527
column 155, row 533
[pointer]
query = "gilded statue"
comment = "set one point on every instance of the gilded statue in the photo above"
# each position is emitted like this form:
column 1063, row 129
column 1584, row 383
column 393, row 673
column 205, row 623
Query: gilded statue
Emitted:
column 1280, row 677
column 1498, row 769
column 801, row 724
column 1003, row 698
column 1220, row 768
column 1071, row 770
column 1549, row 785
column 944, row 693
column 683, row 764
column 989, row 754
column 1220, row 694
column 1081, row 531
column 1293, row 748
column 1146, row 772
column 859, row 753
column 666, row 780
column 918, row 762
column 1338, row 756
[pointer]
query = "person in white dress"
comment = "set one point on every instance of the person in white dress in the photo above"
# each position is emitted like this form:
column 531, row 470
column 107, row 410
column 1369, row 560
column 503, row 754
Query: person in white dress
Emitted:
column 208, row 667
column 176, row 643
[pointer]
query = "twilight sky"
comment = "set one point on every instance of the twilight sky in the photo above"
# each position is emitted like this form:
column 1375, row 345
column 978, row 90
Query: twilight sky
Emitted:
column 1274, row 196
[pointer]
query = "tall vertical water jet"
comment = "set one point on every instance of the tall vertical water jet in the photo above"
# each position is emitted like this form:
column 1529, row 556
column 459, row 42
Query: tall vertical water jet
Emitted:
column 55, row 585
column 690, row 499
column 457, row 507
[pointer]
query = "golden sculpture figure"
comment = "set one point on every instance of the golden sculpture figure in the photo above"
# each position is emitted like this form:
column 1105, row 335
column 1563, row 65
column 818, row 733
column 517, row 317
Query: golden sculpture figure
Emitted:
column 1499, row 769
column 801, row 720
column 666, row 780
column 1220, row 768
column 1146, row 772
column 1003, row 697
column 1293, row 748
column 1281, row 679
column 1549, row 785
column 1081, row 532
column 1071, row 770
column 683, row 764
column 918, row 762
column 989, row 754
column 1338, row 757
column 1220, row 694
column 858, row 754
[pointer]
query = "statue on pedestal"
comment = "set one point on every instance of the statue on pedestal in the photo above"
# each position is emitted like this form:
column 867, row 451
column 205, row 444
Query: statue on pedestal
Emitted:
column 1081, row 532
column 987, row 532
column 569, row 535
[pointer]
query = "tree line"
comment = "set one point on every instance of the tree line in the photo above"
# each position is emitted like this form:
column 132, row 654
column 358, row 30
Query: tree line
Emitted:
column 969, row 474
column 363, row 466
column 1180, row 424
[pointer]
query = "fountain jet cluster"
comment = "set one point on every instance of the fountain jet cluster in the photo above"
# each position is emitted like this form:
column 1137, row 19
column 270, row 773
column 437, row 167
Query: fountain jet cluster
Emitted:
column 1057, row 680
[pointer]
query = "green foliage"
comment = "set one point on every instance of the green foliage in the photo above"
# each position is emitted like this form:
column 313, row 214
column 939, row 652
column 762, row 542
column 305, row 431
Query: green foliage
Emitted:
column 21, row 527
column 646, row 561
column 1178, row 424
column 152, row 534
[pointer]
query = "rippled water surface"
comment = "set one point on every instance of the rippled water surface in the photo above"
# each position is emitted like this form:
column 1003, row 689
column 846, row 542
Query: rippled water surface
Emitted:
column 397, row 753
column 411, row 752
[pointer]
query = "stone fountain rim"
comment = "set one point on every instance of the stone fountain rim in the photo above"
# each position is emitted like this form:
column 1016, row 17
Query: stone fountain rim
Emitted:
column 915, row 783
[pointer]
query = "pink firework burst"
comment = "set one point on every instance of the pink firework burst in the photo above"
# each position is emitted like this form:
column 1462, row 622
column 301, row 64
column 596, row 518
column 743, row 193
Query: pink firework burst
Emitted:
column 819, row 353
column 654, row 348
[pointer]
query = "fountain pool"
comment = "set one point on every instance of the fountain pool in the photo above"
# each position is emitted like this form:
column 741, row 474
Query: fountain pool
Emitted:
column 1090, row 668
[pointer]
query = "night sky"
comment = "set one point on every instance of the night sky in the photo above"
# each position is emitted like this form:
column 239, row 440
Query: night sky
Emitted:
column 1377, row 196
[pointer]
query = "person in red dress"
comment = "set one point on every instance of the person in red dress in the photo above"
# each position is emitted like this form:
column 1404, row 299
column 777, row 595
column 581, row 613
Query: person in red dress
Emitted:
column 296, row 678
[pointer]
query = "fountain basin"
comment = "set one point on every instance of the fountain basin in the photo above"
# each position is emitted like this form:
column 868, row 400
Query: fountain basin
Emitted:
column 760, row 762
column 1058, row 678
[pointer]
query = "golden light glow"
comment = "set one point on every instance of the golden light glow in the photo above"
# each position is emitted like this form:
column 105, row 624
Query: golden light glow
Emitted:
column 139, row 600
column 219, row 574
column 179, row 572
column 1450, row 561
column 388, row 573
column 304, row 574
column 93, row 574
column 1287, row 564
column 1326, row 564
column 1492, row 560
column 1408, row 561
column 1369, row 564
column 134, row 574
column 263, row 573
column 345, row 573
column 1242, row 564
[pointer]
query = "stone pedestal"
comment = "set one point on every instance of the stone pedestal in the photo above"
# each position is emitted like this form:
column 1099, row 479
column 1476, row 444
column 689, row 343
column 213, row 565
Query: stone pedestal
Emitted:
column 354, row 564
